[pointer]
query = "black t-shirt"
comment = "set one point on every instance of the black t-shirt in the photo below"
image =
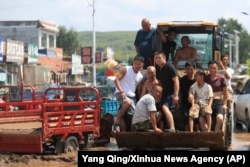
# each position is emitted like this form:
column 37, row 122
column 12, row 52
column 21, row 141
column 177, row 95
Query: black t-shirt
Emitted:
column 185, row 84
column 169, row 47
column 165, row 75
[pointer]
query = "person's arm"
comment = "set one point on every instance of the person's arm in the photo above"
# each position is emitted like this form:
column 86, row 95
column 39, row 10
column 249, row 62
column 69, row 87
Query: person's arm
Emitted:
column 225, row 97
column 194, row 55
column 226, row 74
column 162, row 35
column 117, row 81
column 136, row 49
column 143, row 90
column 176, row 88
column 210, row 102
column 153, row 121
column 136, row 42
column 176, row 57
column 191, row 96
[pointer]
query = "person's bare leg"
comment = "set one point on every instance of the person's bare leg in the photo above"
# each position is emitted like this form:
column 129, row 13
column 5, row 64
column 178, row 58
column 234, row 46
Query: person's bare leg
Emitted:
column 203, row 124
column 209, row 122
column 168, row 116
column 159, row 121
column 122, row 125
column 122, row 111
column 219, row 122
column 191, row 124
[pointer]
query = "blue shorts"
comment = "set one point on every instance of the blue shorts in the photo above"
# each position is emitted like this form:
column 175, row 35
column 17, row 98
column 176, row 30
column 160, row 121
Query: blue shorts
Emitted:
column 168, row 101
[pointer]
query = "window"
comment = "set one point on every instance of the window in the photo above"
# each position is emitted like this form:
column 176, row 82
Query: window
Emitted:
column 202, row 43
column 247, row 87
column 44, row 40
column 51, row 41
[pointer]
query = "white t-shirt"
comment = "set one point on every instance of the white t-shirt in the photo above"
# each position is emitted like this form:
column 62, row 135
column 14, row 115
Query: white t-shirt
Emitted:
column 201, row 94
column 130, row 81
column 145, row 105
column 230, row 72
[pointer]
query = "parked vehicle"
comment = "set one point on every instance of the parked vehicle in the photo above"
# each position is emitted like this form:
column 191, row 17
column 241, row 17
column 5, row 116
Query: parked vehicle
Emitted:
column 241, row 105
column 51, row 125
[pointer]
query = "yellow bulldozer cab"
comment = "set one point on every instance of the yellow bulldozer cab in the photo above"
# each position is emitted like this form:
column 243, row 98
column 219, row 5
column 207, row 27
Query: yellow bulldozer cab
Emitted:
column 203, row 37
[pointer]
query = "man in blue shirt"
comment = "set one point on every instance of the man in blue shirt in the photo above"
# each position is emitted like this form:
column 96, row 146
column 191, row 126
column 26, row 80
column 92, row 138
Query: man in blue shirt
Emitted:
column 144, row 42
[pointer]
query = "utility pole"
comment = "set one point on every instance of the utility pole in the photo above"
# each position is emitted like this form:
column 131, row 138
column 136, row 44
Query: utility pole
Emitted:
column 237, row 39
column 94, row 43
column 94, row 47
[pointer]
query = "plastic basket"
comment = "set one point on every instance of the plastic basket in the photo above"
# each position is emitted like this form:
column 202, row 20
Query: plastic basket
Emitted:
column 109, row 106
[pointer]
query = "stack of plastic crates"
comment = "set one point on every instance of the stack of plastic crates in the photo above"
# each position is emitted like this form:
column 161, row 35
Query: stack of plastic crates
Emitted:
column 108, row 103
column 109, row 106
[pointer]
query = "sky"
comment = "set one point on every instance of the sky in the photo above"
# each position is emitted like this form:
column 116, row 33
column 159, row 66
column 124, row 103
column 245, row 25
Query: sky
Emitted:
column 122, row 15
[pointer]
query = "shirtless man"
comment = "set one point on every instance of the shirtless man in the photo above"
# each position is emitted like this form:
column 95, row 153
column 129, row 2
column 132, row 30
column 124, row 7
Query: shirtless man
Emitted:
column 151, row 80
column 186, row 52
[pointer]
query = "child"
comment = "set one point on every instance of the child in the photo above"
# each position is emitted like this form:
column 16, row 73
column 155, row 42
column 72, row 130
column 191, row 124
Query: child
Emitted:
column 200, row 97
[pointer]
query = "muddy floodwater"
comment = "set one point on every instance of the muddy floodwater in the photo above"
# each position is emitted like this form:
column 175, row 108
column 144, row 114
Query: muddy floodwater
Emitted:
column 240, row 141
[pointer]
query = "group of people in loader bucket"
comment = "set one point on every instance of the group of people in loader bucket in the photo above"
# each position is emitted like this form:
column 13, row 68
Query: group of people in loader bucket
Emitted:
column 150, row 90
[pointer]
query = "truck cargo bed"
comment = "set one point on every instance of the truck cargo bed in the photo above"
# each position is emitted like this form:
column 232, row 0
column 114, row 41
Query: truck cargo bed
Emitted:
column 21, row 137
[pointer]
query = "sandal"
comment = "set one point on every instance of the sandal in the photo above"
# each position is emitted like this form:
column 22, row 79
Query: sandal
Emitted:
column 169, row 130
column 116, row 128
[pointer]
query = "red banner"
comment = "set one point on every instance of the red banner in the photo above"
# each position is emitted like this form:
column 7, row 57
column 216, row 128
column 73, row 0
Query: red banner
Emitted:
column 86, row 53
column 98, row 57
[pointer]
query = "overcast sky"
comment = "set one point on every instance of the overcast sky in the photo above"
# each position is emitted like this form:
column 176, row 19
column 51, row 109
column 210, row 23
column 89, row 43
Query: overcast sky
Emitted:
column 112, row 15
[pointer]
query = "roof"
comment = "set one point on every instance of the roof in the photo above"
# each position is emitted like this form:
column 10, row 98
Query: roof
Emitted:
column 187, row 23
column 55, row 63
column 30, row 23
column 188, row 26
column 48, row 26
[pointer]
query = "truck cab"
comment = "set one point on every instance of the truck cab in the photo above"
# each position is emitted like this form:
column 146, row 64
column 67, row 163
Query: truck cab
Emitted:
column 203, row 35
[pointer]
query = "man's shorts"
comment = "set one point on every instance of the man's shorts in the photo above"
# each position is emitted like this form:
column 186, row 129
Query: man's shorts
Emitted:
column 131, row 99
column 200, row 109
column 217, row 107
column 168, row 101
column 195, row 112
column 145, row 125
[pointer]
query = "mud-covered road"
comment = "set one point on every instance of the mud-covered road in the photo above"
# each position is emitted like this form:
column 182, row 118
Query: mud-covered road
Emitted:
column 240, row 141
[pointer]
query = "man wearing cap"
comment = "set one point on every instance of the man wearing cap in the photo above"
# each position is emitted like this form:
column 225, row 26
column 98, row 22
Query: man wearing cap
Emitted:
column 201, row 98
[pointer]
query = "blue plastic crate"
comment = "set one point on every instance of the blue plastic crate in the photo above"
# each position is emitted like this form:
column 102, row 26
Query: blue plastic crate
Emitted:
column 109, row 106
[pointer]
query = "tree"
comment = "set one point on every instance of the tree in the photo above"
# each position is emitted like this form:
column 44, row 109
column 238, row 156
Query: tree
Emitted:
column 229, row 25
column 68, row 40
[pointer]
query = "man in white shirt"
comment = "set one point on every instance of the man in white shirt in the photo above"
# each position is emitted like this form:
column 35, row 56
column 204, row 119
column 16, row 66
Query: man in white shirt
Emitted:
column 126, row 83
column 227, row 72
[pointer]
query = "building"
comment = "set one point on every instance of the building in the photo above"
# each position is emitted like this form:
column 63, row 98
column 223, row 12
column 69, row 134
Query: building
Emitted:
column 37, row 32
column 20, row 43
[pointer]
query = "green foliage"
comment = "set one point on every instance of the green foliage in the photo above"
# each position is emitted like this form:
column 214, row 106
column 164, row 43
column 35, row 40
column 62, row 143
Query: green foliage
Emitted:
column 248, row 66
column 122, row 42
column 229, row 25
column 68, row 40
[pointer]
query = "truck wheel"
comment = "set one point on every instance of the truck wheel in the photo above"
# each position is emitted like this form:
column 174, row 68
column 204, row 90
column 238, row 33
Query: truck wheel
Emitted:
column 86, row 141
column 248, row 125
column 71, row 144
column 248, row 122
column 59, row 146
column 235, row 119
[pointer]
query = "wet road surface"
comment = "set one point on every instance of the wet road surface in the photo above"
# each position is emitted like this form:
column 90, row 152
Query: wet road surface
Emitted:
column 240, row 142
